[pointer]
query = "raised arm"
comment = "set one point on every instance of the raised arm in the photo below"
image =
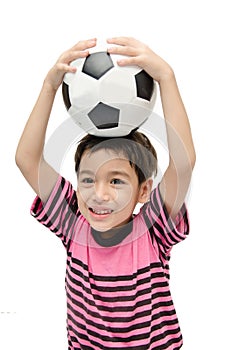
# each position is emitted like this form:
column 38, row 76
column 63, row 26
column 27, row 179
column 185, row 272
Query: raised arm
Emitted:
column 177, row 177
column 175, row 182
column 29, row 155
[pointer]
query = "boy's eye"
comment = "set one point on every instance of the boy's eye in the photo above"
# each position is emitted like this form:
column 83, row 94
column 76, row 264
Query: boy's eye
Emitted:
column 117, row 182
column 87, row 180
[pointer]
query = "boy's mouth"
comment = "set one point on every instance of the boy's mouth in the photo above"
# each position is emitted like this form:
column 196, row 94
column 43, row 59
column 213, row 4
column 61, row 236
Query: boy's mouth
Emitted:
column 100, row 211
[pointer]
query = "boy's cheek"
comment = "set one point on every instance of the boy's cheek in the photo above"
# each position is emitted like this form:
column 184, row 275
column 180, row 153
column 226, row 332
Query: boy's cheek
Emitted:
column 80, row 198
column 82, row 194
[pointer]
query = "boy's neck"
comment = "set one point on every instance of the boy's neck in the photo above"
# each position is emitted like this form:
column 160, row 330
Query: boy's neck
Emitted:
column 113, row 236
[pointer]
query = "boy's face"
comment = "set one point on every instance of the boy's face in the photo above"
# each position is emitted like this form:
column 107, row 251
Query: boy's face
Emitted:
column 108, row 189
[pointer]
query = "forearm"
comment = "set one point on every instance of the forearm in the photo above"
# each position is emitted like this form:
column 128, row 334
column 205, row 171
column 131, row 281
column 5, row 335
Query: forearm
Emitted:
column 30, row 147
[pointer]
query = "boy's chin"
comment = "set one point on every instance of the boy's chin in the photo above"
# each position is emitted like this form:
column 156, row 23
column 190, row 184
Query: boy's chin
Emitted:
column 100, row 228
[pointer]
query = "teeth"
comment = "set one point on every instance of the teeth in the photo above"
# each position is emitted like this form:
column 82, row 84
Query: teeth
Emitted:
column 101, row 212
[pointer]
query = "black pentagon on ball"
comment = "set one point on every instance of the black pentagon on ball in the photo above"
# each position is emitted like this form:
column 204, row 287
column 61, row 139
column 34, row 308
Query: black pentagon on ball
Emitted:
column 104, row 116
column 144, row 85
column 65, row 93
column 97, row 64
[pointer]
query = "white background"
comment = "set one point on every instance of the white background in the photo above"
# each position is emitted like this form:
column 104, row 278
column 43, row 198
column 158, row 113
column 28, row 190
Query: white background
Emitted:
column 195, row 38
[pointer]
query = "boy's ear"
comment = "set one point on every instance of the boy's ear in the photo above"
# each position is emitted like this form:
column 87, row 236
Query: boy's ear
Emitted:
column 145, row 191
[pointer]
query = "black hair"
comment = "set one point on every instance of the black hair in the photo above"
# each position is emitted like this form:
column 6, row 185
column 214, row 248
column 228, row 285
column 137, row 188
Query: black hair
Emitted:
column 136, row 147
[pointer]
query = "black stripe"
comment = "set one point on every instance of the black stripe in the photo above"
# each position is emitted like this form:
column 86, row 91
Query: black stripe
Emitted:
column 153, row 201
column 168, row 343
column 100, row 326
column 37, row 203
column 130, row 287
column 131, row 277
column 114, row 339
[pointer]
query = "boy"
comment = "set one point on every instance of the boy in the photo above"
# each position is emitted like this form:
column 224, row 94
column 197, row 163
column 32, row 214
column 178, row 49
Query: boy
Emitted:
column 117, row 275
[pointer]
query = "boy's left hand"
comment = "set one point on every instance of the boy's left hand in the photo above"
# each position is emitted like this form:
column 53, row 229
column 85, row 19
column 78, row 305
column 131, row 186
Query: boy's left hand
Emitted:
column 140, row 55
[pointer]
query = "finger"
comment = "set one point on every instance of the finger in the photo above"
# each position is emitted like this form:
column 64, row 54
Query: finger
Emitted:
column 69, row 56
column 79, row 50
column 121, row 40
column 123, row 50
column 84, row 44
column 62, row 68
column 131, row 61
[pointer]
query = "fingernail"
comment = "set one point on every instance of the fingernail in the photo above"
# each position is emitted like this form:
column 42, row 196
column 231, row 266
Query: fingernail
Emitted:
column 83, row 53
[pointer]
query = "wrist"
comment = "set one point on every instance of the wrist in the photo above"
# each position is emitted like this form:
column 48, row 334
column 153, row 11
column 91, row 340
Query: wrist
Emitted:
column 167, row 75
column 49, row 88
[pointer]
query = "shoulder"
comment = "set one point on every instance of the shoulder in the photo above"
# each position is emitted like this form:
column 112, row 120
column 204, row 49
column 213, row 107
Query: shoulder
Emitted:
column 62, row 195
column 161, row 225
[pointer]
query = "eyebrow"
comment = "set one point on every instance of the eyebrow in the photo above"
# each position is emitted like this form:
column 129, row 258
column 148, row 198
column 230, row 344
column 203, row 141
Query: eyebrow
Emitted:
column 86, row 172
column 119, row 173
column 111, row 173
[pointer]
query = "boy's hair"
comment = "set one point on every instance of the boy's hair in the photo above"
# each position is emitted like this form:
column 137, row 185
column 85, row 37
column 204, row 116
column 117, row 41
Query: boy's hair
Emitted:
column 136, row 147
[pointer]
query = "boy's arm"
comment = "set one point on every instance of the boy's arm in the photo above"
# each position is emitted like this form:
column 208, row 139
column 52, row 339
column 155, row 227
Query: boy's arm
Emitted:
column 176, row 179
column 175, row 182
column 29, row 155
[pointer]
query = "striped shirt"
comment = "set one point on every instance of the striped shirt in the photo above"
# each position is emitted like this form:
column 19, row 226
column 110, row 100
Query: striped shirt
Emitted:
column 118, row 294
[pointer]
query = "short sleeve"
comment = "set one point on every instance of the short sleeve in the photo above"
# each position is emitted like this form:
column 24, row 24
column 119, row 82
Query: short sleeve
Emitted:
column 59, row 212
column 166, row 231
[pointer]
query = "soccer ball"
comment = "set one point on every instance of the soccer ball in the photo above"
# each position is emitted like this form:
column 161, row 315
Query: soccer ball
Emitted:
column 105, row 99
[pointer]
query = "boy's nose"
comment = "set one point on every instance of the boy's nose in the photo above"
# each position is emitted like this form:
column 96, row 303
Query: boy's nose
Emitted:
column 102, row 193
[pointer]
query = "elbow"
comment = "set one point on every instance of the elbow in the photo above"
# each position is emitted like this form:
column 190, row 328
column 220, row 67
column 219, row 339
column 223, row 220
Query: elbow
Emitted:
column 21, row 163
column 193, row 159
column 18, row 159
column 183, row 162
column 25, row 162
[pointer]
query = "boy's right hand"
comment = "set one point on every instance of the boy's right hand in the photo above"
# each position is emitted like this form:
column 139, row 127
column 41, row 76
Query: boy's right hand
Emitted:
column 56, row 74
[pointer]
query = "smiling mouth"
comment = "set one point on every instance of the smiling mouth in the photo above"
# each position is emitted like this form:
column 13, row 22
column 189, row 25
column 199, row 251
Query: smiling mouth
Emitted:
column 100, row 211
